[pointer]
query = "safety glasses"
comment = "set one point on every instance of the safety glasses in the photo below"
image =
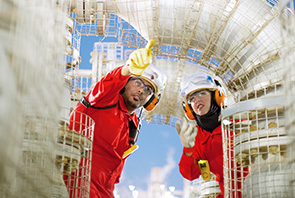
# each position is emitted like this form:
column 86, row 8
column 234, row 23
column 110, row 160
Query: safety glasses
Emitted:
column 198, row 94
column 147, row 90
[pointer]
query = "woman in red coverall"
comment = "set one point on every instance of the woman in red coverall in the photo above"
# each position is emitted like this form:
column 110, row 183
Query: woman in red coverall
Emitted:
column 111, row 104
column 202, row 100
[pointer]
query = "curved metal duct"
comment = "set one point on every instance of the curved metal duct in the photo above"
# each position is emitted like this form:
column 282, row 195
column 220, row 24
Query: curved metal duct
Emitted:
column 238, row 41
column 239, row 35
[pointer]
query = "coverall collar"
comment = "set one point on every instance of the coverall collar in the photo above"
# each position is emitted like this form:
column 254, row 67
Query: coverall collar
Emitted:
column 207, row 134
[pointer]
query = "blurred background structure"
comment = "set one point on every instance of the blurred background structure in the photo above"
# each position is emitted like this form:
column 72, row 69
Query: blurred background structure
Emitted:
column 247, row 44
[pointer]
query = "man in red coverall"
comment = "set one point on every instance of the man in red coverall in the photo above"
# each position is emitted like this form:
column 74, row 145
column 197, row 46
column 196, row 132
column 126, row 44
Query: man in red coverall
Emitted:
column 202, row 100
column 111, row 104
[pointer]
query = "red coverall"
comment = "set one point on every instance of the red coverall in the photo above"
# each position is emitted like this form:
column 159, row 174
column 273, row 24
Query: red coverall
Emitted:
column 111, row 132
column 208, row 146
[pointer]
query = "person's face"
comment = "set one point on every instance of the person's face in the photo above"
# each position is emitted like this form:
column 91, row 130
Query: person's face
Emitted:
column 200, row 101
column 136, row 93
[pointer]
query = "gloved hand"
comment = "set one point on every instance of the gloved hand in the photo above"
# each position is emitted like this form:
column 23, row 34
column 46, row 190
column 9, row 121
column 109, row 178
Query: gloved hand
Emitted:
column 186, row 132
column 140, row 59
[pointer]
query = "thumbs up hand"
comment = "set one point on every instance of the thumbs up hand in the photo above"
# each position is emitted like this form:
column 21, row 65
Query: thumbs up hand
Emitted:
column 140, row 59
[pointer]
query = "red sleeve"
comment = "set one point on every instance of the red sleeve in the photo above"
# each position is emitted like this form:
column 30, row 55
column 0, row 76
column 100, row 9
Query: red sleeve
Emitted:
column 106, row 91
column 188, row 166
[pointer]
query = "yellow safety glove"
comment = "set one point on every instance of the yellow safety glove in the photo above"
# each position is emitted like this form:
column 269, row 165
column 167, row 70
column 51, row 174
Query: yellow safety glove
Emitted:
column 140, row 59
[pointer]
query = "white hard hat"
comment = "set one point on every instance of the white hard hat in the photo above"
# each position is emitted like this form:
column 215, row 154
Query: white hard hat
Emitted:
column 195, row 82
column 156, row 77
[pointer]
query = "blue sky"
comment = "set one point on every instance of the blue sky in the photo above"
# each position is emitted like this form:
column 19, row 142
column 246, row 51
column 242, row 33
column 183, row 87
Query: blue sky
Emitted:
column 158, row 144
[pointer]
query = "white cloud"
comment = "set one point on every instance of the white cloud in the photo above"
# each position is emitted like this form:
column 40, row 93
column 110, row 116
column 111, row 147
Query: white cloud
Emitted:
column 162, row 174
column 169, row 166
